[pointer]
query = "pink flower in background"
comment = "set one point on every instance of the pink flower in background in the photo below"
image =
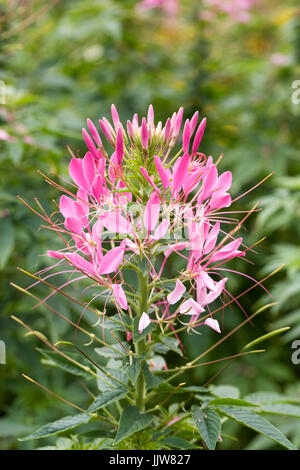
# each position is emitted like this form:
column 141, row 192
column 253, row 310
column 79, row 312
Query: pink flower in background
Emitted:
column 239, row 10
column 170, row 7
column 280, row 60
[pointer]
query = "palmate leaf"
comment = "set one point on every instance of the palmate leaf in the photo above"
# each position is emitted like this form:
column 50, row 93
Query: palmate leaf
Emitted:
column 61, row 425
column 106, row 398
column 252, row 420
column 208, row 424
column 131, row 422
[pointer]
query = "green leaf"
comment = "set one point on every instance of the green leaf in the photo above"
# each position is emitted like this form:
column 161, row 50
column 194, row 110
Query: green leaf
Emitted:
column 225, row 391
column 131, row 422
column 230, row 401
column 208, row 424
column 284, row 409
column 133, row 370
column 106, row 398
column 250, row 419
column 178, row 443
column 264, row 398
column 195, row 389
column 105, row 383
column 117, row 353
column 172, row 343
column 55, row 360
column 7, row 240
column 152, row 381
column 16, row 150
column 61, row 425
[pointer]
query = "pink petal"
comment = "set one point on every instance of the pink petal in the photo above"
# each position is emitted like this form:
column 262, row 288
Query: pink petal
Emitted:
column 194, row 121
column 106, row 131
column 144, row 322
column 111, row 260
column 175, row 247
column 167, row 130
column 228, row 251
column 219, row 200
column 178, row 121
column 144, row 134
column 210, row 182
column 150, row 116
column 161, row 230
column 115, row 222
column 151, row 214
column 177, row 293
column 88, row 167
column 211, row 239
column 186, row 136
column 55, row 254
column 119, row 146
column 94, row 132
column 217, row 291
column 162, row 172
column 190, row 307
column 213, row 324
column 130, row 130
column 206, row 280
column 77, row 175
column 199, row 136
column 79, row 262
column 147, row 176
column 225, row 181
column 90, row 144
column 120, row 296
column 115, row 116
column 67, row 206
column 180, row 173
column 97, row 187
column 74, row 224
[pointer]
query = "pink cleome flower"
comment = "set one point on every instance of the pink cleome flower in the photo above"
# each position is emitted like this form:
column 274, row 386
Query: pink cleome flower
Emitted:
column 139, row 202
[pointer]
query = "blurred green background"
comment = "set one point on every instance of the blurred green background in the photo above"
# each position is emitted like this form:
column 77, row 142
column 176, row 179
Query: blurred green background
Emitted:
column 64, row 61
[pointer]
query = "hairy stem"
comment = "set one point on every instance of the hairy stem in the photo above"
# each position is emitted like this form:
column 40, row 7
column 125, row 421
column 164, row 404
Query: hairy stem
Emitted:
column 140, row 346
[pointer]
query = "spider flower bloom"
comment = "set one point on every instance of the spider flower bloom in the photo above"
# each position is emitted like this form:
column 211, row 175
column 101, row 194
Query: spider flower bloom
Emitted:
column 137, row 206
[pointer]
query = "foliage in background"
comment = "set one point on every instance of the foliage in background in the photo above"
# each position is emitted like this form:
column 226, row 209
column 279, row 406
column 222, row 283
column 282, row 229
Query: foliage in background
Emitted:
column 61, row 61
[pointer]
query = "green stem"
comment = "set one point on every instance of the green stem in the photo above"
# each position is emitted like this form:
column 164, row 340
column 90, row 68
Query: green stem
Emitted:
column 140, row 346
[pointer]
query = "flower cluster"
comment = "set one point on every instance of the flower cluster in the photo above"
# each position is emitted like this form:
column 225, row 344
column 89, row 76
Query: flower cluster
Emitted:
column 138, row 203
